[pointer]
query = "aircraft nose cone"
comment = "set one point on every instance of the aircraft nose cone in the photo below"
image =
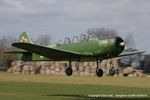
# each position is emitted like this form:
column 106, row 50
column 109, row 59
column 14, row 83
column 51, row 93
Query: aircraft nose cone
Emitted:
column 122, row 44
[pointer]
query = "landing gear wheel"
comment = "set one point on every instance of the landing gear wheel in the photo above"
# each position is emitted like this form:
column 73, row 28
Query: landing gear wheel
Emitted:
column 99, row 72
column 112, row 72
column 69, row 71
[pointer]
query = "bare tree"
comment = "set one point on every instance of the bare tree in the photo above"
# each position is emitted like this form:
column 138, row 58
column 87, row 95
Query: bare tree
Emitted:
column 43, row 40
column 103, row 33
column 5, row 45
column 146, row 67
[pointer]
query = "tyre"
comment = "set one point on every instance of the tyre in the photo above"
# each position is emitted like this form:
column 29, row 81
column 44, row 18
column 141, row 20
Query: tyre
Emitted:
column 69, row 71
column 99, row 72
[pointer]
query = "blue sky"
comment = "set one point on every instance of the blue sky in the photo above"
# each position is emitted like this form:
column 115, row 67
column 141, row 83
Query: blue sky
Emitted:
column 65, row 18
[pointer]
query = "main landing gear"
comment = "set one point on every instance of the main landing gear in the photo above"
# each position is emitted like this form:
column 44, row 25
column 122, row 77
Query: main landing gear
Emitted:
column 99, row 72
column 69, row 70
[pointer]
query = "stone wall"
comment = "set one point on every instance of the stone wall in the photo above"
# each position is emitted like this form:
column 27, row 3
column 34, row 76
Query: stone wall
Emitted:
column 58, row 68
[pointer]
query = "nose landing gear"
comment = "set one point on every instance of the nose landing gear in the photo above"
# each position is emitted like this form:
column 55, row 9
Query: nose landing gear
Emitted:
column 111, row 70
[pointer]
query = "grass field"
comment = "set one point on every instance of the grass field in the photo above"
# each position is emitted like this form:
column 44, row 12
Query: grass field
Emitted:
column 50, row 87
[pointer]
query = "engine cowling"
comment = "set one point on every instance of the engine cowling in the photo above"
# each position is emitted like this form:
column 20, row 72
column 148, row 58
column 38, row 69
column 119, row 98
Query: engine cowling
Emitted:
column 118, row 46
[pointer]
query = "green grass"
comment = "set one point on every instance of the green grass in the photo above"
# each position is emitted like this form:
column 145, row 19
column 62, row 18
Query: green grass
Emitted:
column 50, row 87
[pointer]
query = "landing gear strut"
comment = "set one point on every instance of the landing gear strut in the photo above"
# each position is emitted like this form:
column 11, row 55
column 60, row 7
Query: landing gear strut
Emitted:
column 99, row 72
column 69, row 70
column 111, row 70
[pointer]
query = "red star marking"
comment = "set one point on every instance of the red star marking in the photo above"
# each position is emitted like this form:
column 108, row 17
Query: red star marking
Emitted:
column 23, row 40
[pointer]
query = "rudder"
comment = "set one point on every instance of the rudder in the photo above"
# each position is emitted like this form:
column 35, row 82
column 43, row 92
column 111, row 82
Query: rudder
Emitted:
column 24, row 37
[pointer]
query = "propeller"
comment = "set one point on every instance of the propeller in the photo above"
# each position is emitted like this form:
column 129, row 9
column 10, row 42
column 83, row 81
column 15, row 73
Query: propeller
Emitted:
column 130, row 41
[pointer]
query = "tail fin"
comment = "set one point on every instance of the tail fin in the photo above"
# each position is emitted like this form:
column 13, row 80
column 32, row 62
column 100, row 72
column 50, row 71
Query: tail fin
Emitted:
column 24, row 37
column 23, row 54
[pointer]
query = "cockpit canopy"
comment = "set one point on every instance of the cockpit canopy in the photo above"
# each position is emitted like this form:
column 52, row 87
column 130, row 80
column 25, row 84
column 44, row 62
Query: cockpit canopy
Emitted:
column 77, row 39
column 92, row 36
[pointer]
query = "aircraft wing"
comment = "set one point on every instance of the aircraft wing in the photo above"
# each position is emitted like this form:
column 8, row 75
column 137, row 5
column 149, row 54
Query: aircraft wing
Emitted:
column 48, row 52
column 130, row 53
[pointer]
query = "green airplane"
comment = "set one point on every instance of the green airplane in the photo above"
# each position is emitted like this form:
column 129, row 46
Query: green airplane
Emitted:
column 90, row 48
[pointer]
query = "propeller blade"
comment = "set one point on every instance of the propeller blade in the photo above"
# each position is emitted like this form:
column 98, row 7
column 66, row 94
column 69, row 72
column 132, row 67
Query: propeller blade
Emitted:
column 130, row 41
